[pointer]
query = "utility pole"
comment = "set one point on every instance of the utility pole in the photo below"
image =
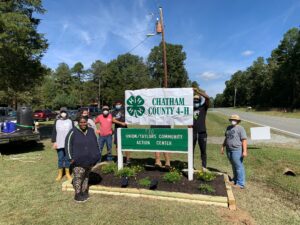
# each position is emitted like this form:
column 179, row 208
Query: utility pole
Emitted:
column 99, row 88
column 235, row 90
column 164, row 48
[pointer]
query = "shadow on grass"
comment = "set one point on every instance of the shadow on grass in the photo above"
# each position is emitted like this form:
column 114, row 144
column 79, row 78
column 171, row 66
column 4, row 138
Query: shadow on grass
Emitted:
column 253, row 147
column 21, row 147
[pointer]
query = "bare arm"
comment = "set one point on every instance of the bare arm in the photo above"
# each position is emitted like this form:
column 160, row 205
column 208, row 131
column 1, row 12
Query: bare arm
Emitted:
column 245, row 150
column 202, row 94
column 118, row 122
column 223, row 145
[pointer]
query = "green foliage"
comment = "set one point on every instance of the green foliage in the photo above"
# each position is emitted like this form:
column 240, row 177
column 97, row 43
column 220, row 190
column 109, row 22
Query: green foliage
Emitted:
column 21, row 47
column 172, row 177
column 205, row 176
column 274, row 83
column 206, row 188
column 109, row 168
column 177, row 74
column 126, row 172
column 138, row 168
column 145, row 182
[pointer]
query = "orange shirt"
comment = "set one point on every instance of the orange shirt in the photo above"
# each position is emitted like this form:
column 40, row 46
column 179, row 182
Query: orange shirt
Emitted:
column 105, row 125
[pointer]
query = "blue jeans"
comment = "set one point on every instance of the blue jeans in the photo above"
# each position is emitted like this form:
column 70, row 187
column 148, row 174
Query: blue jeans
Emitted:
column 108, row 141
column 63, row 161
column 236, row 159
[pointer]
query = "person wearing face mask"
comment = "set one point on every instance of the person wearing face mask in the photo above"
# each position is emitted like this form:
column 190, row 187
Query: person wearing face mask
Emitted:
column 201, row 104
column 236, row 150
column 83, row 152
column 119, row 121
column 62, row 126
column 90, row 122
column 105, row 131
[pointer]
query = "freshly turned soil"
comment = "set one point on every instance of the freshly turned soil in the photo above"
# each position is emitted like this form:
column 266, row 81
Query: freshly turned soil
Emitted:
column 183, row 186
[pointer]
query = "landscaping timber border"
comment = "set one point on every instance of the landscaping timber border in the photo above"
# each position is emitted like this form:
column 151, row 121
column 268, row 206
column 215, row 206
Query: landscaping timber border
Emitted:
column 228, row 201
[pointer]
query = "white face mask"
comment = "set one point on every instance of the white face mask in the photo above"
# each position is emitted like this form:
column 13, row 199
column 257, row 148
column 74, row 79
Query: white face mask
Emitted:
column 63, row 115
column 233, row 122
column 105, row 112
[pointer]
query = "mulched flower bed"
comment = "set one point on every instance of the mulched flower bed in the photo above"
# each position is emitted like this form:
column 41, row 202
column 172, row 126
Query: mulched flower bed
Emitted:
column 183, row 186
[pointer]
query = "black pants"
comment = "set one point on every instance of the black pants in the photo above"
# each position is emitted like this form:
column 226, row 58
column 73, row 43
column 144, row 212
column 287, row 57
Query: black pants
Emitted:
column 202, row 139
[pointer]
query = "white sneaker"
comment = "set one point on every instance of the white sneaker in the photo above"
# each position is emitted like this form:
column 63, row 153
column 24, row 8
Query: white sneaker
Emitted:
column 205, row 169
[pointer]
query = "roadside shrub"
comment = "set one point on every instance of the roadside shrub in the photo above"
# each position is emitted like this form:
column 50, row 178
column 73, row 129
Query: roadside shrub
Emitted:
column 145, row 182
column 172, row 177
column 205, row 176
column 125, row 172
column 109, row 168
column 206, row 188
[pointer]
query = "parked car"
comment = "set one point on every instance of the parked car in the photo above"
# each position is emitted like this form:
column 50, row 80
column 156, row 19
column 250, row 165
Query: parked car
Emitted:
column 44, row 115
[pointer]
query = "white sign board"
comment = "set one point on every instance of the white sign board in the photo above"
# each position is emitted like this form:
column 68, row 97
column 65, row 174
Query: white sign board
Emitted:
column 159, row 106
column 260, row 133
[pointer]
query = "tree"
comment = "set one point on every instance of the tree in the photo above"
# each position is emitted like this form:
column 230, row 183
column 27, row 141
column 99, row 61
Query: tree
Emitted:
column 284, row 86
column 127, row 72
column 21, row 46
column 177, row 74
column 78, row 71
column 98, row 78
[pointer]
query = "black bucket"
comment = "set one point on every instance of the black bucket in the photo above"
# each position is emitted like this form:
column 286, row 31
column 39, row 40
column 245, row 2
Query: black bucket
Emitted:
column 24, row 119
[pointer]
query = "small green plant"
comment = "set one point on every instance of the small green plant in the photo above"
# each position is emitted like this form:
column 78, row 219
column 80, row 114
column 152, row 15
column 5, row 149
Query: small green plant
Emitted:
column 138, row 168
column 206, row 188
column 172, row 177
column 145, row 182
column 205, row 176
column 125, row 172
column 109, row 168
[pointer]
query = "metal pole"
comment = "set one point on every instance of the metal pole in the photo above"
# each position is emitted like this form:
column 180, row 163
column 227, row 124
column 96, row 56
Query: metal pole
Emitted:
column 164, row 48
column 99, row 86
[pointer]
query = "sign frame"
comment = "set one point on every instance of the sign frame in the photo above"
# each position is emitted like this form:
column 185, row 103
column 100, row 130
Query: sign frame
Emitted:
column 189, row 152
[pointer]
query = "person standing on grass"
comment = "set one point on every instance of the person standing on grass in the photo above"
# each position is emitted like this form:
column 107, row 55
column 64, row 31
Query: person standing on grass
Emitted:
column 83, row 152
column 201, row 104
column 105, row 131
column 236, row 150
column 91, row 122
column 119, row 121
column 62, row 126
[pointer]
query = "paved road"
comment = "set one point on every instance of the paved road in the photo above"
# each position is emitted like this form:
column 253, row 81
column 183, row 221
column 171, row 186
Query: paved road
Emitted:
column 289, row 126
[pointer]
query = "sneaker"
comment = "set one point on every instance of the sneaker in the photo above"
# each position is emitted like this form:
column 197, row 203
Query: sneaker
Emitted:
column 205, row 169
column 238, row 186
column 79, row 198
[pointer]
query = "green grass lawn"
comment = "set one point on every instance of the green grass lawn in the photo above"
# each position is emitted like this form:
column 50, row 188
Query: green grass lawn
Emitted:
column 273, row 113
column 217, row 123
column 30, row 195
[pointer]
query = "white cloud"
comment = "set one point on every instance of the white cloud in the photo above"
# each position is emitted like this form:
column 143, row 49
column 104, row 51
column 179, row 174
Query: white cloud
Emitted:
column 247, row 53
column 85, row 36
column 65, row 26
column 208, row 75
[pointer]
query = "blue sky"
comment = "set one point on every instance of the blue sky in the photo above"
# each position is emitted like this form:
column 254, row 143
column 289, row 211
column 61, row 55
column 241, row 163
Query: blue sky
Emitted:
column 218, row 36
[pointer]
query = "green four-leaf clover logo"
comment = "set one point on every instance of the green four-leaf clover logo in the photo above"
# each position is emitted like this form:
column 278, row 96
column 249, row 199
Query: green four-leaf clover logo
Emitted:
column 135, row 106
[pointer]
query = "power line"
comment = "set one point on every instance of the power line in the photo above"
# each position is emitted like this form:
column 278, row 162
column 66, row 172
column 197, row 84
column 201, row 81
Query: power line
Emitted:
column 138, row 44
